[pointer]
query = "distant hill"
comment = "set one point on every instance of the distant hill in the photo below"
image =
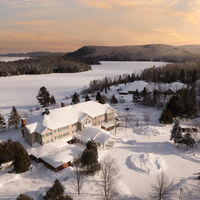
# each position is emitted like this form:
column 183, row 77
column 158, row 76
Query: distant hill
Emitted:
column 31, row 54
column 151, row 52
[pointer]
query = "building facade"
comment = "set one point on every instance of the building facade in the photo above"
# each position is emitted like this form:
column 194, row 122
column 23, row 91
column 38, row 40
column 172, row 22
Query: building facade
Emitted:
column 64, row 122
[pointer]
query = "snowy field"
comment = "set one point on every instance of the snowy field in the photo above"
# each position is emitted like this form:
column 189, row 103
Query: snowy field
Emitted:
column 21, row 91
column 141, row 152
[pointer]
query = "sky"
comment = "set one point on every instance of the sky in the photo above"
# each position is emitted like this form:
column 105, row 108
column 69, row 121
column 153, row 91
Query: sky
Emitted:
column 66, row 25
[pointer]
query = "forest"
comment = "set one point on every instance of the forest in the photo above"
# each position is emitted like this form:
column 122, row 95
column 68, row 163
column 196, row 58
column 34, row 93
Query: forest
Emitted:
column 43, row 65
column 186, row 72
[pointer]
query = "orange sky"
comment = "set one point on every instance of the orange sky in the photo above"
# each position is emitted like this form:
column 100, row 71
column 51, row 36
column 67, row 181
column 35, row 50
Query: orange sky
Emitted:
column 65, row 25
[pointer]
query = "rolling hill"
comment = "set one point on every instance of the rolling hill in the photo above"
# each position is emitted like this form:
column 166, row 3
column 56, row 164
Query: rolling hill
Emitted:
column 151, row 52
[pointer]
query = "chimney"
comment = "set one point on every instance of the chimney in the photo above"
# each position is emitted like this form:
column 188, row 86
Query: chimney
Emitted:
column 23, row 122
column 46, row 111
column 63, row 104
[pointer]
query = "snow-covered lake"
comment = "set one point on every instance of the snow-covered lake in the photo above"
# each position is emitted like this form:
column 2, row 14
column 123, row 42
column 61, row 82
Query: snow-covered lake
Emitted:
column 7, row 59
column 21, row 90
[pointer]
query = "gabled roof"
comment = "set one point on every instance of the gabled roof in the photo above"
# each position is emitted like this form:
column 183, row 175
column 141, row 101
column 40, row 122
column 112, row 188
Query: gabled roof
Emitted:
column 93, row 133
column 64, row 116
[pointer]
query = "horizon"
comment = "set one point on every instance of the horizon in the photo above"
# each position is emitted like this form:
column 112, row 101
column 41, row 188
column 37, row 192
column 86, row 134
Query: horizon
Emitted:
column 94, row 46
column 64, row 26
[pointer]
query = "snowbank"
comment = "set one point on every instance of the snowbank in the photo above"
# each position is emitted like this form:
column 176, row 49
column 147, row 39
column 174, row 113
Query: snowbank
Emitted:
column 146, row 162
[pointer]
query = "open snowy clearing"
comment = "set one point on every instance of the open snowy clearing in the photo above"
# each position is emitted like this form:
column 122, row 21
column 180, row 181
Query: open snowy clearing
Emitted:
column 21, row 91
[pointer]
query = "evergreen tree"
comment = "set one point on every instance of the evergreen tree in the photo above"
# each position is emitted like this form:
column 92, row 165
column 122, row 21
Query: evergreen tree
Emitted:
column 21, row 160
column 166, row 117
column 188, row 140
column 175, row 104
column 91, row 145
column 75, row 98
column 176, row 134
column 87, row 98
column 98, row 96
column 43, row 97
column 182, row 76
column 114, row 99
column 14, row 118
column 52, row 100
column 144, row 92
column 103, row 100
column 2, row 122
column 23, row 197
column 64, row 197
column 189, row 99
column 173, row 77
column 89, row 159
column 7, row 151
column 55, row 191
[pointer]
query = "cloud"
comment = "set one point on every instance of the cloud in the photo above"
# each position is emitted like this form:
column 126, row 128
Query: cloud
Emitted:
column 171, row 33
column 109, row 4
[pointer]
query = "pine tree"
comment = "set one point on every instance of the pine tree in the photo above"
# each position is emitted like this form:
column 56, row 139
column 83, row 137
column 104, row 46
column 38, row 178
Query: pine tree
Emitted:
column 23, row 197
column 188, row 140
column 114, row 99
column 21, row 160
column 182, row 76
column 144, row 92
column 176, row 134
column 75, row 98
column 176, row 106
column 103, row 100
column 166, row 117
column 7, row 151
column 14, row 118
column 91, row 145
column 43, row 97
column 2, row 122
column 87, row 98
column 55, row 191
column 64, row 197
column 89, row 159
column 52, row 100
column 98, row 96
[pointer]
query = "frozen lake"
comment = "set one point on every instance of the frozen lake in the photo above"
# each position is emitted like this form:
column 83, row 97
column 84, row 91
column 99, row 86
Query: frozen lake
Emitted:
column 21, row 90
column 7, row 59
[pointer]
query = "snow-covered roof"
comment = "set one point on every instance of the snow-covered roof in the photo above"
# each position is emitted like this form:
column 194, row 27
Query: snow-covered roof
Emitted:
column 56, row 153
column 92, row 133
column 35, row 127
column 63, row 156
column 60, row 117
column 140, row 85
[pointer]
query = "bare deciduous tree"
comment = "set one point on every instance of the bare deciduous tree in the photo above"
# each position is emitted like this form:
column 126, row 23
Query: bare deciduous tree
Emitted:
column 146, row 117
column 109, row 178
column 163, row 188
column 127, row 118
column 78, row 176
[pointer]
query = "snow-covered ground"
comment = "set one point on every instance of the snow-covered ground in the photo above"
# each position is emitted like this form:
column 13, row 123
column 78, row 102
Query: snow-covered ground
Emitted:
column 21, row 91
column 141, row 152
column 7, row 59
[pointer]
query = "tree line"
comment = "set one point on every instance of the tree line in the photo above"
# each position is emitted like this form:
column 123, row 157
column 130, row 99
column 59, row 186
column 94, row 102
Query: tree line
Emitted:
column 43, row 65
column 187, row 72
